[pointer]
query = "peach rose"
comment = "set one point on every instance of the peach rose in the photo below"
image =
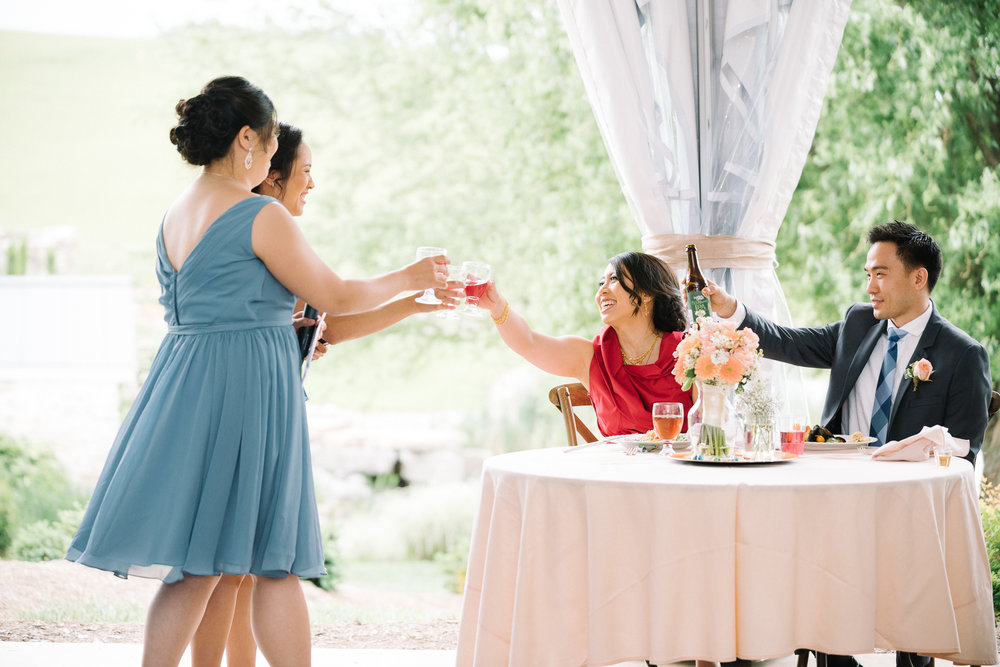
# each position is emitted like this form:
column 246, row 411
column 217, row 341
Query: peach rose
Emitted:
column 919, row 371
column 922, row 370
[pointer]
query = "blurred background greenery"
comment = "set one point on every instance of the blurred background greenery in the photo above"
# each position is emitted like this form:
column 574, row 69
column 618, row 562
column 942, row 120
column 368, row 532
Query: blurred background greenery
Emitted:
column 464, row 123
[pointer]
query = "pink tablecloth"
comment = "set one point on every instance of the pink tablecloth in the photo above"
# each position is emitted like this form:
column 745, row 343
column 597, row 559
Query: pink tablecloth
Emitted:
column 594, row 558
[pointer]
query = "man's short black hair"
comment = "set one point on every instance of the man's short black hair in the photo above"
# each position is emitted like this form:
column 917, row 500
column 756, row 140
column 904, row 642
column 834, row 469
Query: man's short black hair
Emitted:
column 913, row 247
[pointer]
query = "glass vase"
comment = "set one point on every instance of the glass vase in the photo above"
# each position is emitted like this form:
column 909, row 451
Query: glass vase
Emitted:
column 762, row 441
column 712, row 424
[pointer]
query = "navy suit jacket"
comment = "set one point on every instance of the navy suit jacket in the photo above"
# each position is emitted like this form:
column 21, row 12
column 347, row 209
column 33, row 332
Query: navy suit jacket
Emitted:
column 957, row 397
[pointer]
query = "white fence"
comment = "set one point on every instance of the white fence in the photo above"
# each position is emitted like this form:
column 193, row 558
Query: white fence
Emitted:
column 60, row 326
column 67, row 361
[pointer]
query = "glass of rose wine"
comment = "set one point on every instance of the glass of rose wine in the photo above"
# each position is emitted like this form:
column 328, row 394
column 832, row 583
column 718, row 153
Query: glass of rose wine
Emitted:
column 476, row 277
column 793, row 434
column 667, row 420
column 430, row 251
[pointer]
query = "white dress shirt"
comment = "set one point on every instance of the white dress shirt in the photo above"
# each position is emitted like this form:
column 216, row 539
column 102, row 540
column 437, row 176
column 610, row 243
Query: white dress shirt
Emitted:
column 857, row 414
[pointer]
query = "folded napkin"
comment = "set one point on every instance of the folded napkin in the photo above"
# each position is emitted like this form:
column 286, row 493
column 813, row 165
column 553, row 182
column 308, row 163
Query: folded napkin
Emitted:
column 919, row 447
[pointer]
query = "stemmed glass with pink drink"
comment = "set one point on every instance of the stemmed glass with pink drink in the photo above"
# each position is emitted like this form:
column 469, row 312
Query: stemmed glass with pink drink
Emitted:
column 476, row 278
column 667, row 420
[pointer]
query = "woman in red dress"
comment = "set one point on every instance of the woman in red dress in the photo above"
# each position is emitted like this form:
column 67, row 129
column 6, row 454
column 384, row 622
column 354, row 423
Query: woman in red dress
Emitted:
column 627, row 366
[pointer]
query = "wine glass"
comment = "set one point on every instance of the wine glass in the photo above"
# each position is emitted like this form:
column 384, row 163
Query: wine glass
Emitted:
column 667, row 420
column 476, row 276
column 454, row 274
column 429, row 251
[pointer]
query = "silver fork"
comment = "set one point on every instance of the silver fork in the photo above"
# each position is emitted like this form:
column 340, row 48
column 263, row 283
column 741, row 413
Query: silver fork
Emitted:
column 631, row 450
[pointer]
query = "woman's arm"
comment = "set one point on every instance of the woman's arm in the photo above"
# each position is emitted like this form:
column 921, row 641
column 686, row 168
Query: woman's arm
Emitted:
column 279, row 243
column 340, row 328
column 568, row 356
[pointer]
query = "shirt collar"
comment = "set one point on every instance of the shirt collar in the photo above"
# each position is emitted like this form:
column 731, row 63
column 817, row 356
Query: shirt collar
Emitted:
column 916, row 326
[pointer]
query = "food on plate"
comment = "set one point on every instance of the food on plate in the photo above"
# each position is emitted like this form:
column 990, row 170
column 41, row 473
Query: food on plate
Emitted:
column 820, row 434
column 857, row 436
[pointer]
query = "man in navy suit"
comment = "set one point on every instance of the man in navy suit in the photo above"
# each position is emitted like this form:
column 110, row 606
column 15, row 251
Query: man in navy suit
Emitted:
column 869, row 351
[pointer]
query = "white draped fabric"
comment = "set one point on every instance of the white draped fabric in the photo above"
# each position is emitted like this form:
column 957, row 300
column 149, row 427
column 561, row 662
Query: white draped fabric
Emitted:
column 708, row 109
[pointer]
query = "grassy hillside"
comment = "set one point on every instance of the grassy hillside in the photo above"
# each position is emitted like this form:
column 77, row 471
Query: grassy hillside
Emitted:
column 84, row 135
column 84, row 132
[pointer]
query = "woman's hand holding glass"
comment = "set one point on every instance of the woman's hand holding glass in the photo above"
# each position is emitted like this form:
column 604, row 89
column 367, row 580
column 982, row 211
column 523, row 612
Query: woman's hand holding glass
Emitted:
column 435, row 261
column 475, row 277
column 492, row 300
column 448, row 299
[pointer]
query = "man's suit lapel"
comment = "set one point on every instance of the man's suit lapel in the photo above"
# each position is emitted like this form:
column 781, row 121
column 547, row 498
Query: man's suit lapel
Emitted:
column 926, row 342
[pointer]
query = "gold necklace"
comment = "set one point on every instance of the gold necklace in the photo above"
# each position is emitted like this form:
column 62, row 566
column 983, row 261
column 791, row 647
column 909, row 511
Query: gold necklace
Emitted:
column 226, row 177
column 635, row 361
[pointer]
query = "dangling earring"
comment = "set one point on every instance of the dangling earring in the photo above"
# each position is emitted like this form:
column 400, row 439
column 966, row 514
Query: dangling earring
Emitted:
column 249, row 161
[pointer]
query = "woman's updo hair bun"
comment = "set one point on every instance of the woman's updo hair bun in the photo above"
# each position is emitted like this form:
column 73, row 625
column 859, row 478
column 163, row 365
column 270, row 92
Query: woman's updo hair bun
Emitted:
column 208, row 122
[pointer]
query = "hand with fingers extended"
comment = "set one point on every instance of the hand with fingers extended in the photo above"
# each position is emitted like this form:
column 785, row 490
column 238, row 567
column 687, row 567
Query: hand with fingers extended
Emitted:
column 450, row 297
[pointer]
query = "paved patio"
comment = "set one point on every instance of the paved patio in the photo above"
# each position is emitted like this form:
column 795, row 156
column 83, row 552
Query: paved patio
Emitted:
column 45, row 654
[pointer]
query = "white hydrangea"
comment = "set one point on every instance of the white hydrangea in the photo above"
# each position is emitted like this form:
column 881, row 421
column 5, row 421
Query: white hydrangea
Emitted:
column 720, row 340
column 719, row 357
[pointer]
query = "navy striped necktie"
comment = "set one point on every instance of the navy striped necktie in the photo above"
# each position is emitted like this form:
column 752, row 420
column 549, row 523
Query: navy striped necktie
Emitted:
column 883, row 391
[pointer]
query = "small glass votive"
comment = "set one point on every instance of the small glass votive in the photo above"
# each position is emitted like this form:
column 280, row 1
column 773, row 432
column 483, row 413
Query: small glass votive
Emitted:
column 942, row 454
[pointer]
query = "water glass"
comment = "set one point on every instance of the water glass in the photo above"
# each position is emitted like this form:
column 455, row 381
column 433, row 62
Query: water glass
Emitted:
column 793, row 434
column 428, row 296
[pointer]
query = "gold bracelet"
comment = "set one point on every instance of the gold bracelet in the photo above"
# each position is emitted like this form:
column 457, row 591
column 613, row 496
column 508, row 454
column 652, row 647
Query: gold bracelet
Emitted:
column 503, row 317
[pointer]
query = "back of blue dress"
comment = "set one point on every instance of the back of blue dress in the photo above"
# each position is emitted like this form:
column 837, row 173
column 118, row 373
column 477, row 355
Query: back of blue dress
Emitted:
column 210, row 472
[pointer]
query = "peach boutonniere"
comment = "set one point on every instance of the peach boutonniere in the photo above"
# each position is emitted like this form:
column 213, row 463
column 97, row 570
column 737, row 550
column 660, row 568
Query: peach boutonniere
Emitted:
column 919, row 371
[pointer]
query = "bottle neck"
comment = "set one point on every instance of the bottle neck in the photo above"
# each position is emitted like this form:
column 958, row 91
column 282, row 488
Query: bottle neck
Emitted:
column 694, row 276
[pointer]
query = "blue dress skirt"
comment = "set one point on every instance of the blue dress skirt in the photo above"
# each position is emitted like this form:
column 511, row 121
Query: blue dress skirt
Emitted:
column 210, row 472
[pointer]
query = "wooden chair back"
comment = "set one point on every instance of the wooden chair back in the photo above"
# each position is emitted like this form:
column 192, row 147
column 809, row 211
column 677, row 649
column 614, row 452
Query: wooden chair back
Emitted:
column 565, row 397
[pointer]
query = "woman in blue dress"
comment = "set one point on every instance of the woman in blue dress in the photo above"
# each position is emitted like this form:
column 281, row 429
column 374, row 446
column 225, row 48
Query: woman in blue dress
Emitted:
column 210, row 472
column 225, row 627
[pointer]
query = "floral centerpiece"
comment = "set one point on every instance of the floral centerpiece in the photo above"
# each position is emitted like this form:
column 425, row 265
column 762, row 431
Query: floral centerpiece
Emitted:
column 717, row 357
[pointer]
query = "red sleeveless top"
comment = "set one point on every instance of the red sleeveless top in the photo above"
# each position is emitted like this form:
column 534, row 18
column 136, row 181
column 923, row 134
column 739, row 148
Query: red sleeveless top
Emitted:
column 623, row 395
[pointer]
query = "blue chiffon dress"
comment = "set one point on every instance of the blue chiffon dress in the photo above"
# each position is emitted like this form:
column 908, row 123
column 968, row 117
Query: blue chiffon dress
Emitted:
column 210, row 472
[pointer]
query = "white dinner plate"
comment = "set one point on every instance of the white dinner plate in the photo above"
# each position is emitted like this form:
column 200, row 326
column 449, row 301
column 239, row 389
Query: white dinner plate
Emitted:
column 686, row 458
column 635, row 439
column 640, row 440
column 643, row 441
column 837, row 446
column 680, row 445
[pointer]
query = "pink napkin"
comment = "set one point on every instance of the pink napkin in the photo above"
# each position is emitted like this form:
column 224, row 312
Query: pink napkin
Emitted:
column 919, row 447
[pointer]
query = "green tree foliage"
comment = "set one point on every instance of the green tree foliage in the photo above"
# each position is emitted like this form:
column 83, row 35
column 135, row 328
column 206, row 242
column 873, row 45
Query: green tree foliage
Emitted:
column 33, row 489
column 467, row 127
column 989, row 509
column 45, row 539
column 910, row 130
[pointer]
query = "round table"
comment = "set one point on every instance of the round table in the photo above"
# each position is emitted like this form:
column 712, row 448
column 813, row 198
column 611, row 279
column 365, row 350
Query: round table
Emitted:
column 589, row 556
